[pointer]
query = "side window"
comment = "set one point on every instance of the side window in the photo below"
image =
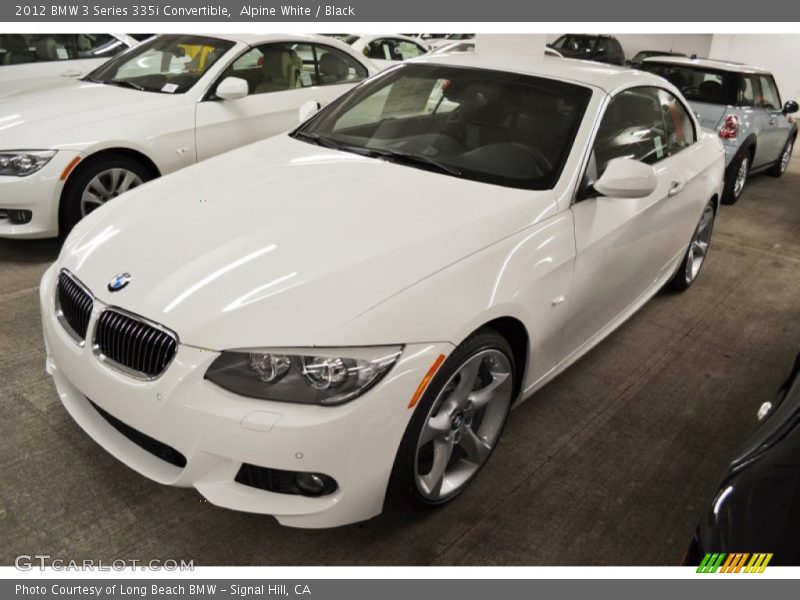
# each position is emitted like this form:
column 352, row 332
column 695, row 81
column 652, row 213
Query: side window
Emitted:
column 632, row 127
column 97, row 45
column 17, row 49
column 272, row 68
column 677, row 123
column 769, row 97
column 602, row 46
column 408, row 50
column 747, row 91
column 382, row 50
column 336, row 66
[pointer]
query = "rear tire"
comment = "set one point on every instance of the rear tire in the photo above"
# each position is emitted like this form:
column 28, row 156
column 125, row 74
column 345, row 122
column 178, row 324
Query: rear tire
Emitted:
column 455, row 427
column 736, row 177
column 779, row 168
column 97, row 181
column 696, row 253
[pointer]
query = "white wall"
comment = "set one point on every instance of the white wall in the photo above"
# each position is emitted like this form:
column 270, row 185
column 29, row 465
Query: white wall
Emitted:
column 688, row 43
column 778, row 53
column 531, row 45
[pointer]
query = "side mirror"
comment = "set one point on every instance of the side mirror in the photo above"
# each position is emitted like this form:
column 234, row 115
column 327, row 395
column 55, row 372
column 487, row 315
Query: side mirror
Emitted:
column 307, row 110
column 232, row 88
column 627, row 178
column 790, row 107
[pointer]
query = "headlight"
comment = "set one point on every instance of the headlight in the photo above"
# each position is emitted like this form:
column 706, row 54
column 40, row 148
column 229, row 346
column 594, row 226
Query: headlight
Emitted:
column 24, row 162
column 318, row 376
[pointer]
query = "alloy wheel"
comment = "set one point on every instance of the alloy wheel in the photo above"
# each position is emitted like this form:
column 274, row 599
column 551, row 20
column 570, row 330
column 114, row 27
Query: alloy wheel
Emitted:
column 699, row 246
column 786, row 156
column 741, row 177
column 463, row 425
column 107, row 185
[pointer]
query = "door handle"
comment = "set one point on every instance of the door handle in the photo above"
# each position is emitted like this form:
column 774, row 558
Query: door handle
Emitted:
column 676, row 187
column 72, row 73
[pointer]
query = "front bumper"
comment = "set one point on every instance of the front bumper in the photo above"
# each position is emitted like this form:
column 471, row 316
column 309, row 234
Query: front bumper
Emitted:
column 217, row 431
column 39, row 193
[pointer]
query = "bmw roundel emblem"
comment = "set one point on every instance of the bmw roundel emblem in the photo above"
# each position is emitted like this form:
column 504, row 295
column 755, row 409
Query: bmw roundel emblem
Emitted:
column 119, row 282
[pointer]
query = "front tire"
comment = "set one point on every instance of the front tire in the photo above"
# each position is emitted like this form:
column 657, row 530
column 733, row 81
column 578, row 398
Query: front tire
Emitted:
column 697, row 251
column 96, row 182
column 783, row 161
column 736, row 177
column 457, row 423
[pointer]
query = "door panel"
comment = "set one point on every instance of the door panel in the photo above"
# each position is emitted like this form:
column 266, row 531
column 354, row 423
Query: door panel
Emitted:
column 624, row 246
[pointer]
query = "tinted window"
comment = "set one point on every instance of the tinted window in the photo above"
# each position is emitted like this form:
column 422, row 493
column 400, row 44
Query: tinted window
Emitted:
column 632, row 127
column 696, row 84
column 489, row 126
column 583, row 43
column 747, row 90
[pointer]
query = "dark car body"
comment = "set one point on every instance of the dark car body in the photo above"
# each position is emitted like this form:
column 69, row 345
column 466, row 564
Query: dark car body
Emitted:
column 757, row 505
column 640, row 56
column 599, row 48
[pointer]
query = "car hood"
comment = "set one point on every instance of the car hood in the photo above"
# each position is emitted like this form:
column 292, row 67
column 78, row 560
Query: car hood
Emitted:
column 34, row 84
column 38, row 117
column 282, row 242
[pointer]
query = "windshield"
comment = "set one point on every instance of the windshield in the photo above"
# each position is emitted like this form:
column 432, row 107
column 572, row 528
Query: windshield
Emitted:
column 695, row 83
column 169, row 64
column 501, row 128
column 577, row 43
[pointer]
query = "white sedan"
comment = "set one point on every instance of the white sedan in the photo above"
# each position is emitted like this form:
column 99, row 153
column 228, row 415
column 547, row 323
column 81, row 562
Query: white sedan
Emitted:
column 386, row 50
column 298, row 326
column 31, row 61
column 165, row 104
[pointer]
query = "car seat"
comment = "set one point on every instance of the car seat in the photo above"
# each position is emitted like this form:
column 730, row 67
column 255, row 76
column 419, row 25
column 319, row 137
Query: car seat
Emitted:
column 332, row 69
column 17, row 51
column 711, row 92
column 279, row 69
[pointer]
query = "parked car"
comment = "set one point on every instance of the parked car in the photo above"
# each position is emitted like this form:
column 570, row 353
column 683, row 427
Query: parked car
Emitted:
column 755, row 507
column 296, row 326
column 636, row 61
column 743, row 106
column 41, row 60
column 386, row 50
column 599, row 48
column 168, row 103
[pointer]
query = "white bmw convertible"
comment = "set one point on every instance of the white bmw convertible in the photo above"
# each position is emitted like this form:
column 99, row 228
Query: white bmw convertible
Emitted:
column 299, row 326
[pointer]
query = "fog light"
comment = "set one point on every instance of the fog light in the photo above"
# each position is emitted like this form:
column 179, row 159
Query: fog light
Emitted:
column 315, row 484
column 20, row 217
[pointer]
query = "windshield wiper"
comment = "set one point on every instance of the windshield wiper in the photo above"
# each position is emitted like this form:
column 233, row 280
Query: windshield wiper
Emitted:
column 411, row 159
column 315, row 138
column 125, row 83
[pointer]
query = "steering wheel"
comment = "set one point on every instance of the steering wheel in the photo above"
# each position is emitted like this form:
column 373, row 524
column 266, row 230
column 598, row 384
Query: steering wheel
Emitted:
column 539, row 159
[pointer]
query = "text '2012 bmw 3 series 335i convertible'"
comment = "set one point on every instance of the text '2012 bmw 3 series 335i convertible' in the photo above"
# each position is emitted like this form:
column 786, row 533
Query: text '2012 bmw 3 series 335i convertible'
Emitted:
column 307, row 325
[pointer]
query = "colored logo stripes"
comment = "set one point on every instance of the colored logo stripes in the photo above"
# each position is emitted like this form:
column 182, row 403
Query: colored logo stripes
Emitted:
column 734, row 563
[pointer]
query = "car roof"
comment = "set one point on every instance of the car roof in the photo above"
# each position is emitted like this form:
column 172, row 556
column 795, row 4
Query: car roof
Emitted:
column 606, row 77
column 253, row 39
column 706, row 63
column 368, row 37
